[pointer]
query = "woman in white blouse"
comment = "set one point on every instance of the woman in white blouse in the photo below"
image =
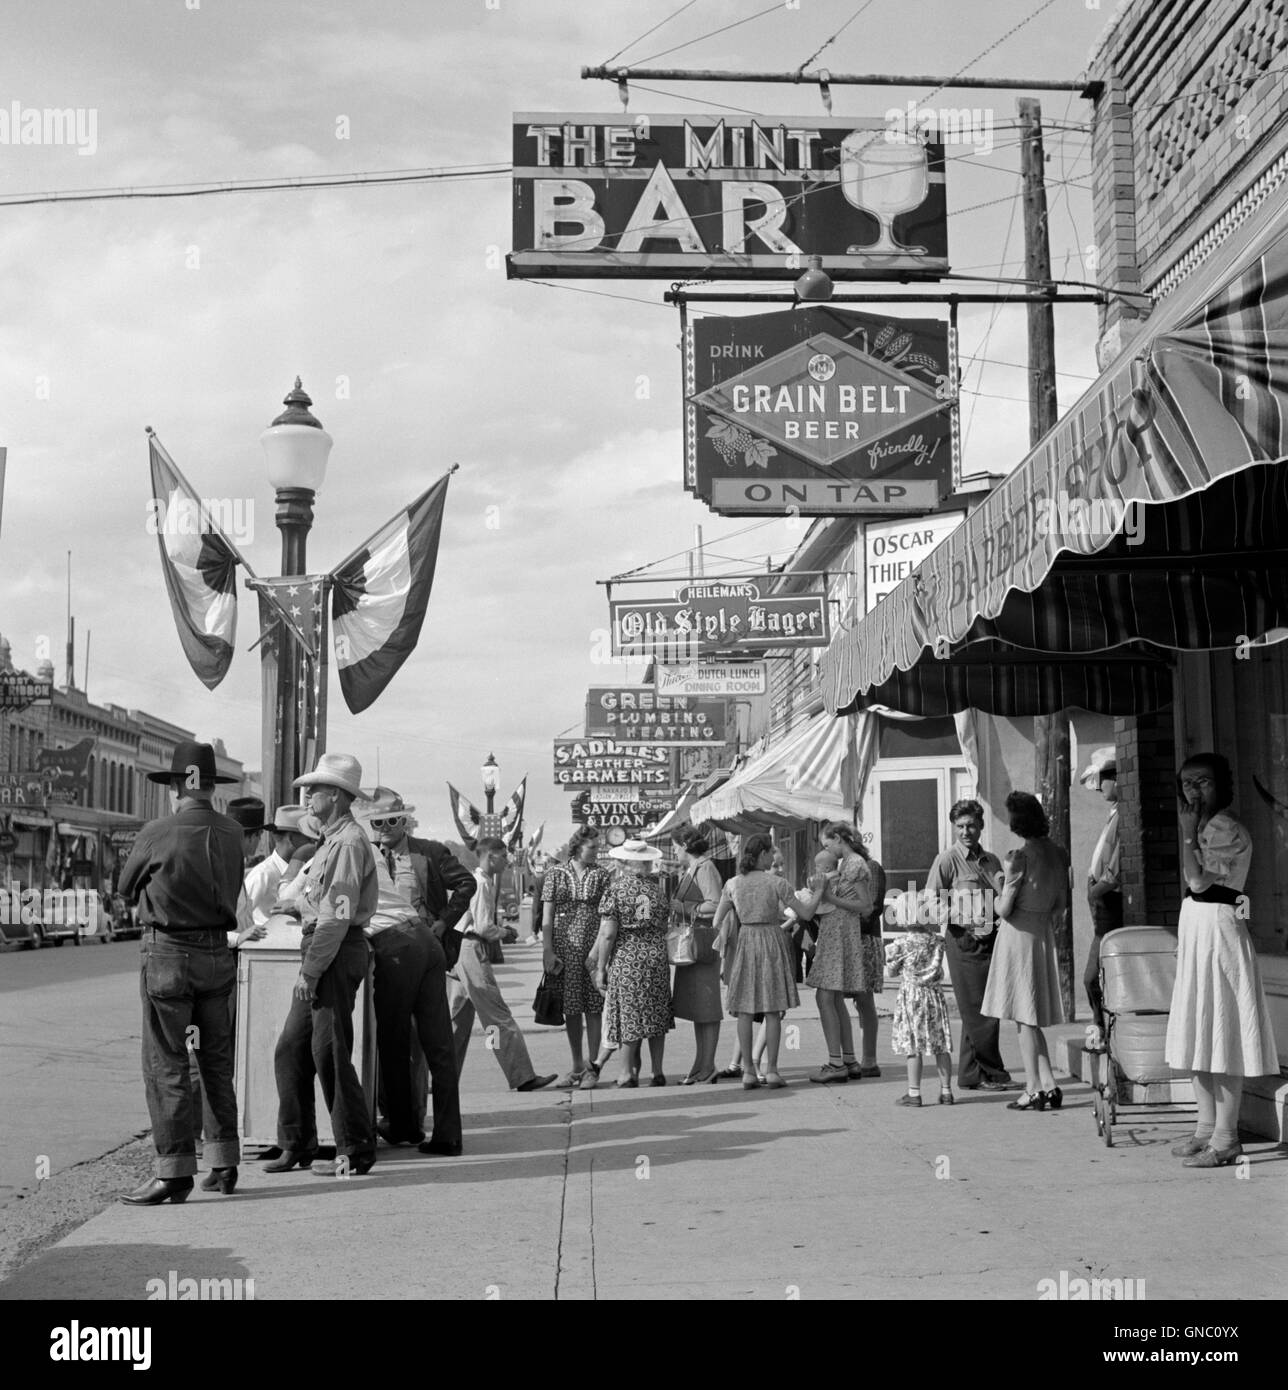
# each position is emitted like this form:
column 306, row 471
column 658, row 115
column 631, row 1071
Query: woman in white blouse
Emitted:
column 1219, row 1027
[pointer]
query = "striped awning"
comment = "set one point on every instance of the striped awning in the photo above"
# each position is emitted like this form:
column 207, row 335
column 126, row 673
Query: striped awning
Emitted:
column 801, row 778
column 1198, row 397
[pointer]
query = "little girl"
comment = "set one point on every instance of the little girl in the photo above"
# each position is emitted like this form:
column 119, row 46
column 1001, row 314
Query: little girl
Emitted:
column 921, row 1013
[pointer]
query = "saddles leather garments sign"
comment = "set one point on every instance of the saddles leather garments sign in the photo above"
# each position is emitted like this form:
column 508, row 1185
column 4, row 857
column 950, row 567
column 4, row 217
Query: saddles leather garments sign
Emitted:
column 817, row 412
column 738, row 197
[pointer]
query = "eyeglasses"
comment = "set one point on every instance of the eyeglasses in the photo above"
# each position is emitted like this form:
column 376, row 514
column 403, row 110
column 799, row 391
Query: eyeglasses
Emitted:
column 1198, row 782
column 387, row 822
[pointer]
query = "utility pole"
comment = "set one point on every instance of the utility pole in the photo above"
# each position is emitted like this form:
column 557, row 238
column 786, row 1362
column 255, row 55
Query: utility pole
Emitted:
column 1050, row 731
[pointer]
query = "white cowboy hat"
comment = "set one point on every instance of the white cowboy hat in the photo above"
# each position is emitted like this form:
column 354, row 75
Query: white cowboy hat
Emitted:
column 636, row 850
column 1101, row 759
column 384, row 801
column 288, row 818
column 340, row 770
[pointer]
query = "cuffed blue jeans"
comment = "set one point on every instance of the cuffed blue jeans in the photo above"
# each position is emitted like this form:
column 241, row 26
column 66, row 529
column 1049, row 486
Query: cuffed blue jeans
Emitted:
column 185, row 981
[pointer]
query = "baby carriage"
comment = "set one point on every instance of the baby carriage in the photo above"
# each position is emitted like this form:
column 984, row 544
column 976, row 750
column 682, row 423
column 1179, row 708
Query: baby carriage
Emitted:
column 1137, row 971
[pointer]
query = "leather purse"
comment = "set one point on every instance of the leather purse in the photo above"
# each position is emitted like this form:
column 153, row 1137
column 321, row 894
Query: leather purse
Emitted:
column 547, row 1007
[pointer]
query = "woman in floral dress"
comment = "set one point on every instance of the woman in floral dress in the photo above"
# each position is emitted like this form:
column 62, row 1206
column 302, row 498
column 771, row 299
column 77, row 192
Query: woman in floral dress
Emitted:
column 632, row 969
column 570, row 907
column 921, row 1012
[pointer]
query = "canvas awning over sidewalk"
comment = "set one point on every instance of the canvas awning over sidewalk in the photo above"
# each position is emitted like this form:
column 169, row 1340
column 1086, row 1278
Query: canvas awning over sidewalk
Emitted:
column 1151, row 517
column 810, row 775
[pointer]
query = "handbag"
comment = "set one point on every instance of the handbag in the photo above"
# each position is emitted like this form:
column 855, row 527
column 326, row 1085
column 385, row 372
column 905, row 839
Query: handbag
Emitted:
column 681, row 948
column 547, row 1007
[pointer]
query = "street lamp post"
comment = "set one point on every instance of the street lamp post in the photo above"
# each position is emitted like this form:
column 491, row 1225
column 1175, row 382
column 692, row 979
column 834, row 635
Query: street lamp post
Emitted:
column 491, row 781
column 297, row 449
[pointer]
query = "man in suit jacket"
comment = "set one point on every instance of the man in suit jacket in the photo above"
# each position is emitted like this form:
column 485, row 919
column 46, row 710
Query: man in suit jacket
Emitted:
column 412, row 956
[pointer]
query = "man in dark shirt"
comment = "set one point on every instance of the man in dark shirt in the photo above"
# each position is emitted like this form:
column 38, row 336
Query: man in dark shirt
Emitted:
column 185, row 873
column 961, row 885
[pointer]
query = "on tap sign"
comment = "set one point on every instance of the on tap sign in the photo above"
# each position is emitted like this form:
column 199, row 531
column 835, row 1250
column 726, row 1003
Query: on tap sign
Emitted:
column 589, row 762
column 720, row 615
column 818, row 412
column 730, row 196
column 638, row 714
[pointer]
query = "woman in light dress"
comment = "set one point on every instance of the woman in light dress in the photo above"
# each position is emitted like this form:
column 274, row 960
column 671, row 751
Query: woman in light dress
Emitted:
column 750, row 918
column 838, row 969
column 1218, row 1028
column 1023, row 978
column 696, row 993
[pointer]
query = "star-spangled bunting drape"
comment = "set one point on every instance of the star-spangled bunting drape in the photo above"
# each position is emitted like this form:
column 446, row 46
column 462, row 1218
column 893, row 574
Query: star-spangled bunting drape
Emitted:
column 512, row 817
column 466, row 815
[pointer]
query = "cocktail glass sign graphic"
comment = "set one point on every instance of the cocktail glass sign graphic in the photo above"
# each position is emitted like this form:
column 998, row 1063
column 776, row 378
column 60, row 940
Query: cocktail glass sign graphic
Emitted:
column 818, row 412
column 586, row 762
column 719, row 615
column 733, row 196
column 638, row 714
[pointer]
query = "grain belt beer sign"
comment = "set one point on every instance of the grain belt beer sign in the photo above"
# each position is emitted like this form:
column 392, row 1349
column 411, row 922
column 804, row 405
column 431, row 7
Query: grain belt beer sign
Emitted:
column 738, row 197
column 638, row 714
column 818, row 412
column 588, row 762
column 719, row 616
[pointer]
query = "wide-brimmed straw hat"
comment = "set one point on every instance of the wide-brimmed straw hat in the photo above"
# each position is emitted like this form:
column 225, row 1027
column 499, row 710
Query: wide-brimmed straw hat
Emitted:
column 636, row 851
column 288, row 818
column 340, row 770
column 1104, row 763
column 385, row 802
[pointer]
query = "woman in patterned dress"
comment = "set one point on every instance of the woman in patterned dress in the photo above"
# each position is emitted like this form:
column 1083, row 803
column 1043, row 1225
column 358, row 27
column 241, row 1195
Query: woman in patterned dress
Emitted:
column 632, row 970
column 921, row 1012
column 570, row 909
column 1219, row 1028
column 838, row 967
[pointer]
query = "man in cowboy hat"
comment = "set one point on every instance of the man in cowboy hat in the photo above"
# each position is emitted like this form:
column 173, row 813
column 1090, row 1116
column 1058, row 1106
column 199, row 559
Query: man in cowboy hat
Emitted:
column 473, row 988
column 423, row 892
column 248, row 812
column 185, row 873
column 265, row 878
column 1104, row 887
column 338, row 899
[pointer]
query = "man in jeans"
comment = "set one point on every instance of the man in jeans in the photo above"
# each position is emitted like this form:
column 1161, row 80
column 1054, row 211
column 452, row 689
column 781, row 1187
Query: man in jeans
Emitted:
column 473, row 989
column 962, row 889
column 185, row 872
column 338, row 899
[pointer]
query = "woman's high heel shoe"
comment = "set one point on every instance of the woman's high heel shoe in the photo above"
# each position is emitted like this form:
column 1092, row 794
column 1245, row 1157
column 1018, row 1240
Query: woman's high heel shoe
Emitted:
column 1030, row 1100
column 1055, row 1099
column 220, row 1180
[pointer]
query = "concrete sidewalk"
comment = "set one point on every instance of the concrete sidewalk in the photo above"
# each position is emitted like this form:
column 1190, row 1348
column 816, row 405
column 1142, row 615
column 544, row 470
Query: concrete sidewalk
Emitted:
column 716, row 1192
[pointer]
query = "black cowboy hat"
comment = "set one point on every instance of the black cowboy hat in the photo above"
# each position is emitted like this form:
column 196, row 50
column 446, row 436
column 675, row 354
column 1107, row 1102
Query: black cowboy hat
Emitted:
column 248, row 812
column 187, row 756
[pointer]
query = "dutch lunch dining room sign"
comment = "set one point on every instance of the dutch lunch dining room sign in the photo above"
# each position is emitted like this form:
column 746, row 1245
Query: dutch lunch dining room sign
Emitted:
column 741, row 197
column 817, row 412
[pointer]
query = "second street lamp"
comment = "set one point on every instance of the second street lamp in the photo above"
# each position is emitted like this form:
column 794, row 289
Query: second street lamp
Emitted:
column 491, row 781
column 296, row 448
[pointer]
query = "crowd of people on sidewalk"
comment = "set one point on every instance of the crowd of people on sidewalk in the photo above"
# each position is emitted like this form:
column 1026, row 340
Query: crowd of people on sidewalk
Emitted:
column 630, row 955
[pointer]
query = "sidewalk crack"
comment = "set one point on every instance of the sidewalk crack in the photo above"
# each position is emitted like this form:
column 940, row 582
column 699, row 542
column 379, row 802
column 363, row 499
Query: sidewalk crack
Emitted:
column 563, row 1195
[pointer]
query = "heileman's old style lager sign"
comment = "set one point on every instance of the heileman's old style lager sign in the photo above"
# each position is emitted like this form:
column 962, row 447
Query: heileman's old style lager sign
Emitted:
column 586, row 762
column 740, row 197
column 818, row 412
column 719, row 615
column 638, row 714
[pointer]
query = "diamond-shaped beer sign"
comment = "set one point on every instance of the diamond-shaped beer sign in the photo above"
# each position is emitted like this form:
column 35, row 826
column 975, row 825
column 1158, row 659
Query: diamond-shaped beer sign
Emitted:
column 818, row 411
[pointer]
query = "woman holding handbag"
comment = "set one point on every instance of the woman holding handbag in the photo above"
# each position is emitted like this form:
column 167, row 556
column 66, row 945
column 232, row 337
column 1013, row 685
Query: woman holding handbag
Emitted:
column 760, row 978
column 570, row 907
column 696, row 994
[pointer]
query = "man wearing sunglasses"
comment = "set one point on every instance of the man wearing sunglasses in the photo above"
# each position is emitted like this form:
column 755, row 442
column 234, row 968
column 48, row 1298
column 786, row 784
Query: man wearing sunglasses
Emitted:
column 424, row 891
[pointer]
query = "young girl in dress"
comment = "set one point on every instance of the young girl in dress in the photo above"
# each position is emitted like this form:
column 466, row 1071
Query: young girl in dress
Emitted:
column 921, row 1012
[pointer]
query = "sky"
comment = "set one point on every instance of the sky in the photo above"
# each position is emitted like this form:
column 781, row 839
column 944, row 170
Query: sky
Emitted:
column 563, row 407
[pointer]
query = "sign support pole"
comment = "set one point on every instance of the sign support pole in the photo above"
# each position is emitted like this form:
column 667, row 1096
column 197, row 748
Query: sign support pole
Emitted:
column 1050, row 731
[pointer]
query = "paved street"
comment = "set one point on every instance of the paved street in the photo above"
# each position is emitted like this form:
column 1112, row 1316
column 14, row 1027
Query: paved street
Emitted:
column 70, row 1089
column 690, row 1193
